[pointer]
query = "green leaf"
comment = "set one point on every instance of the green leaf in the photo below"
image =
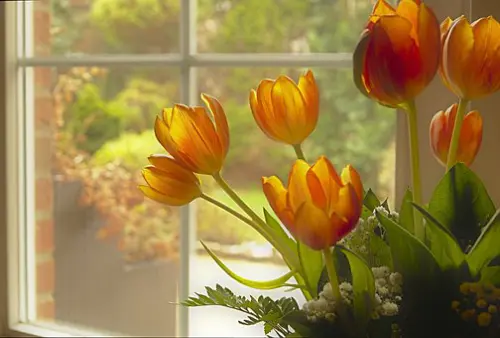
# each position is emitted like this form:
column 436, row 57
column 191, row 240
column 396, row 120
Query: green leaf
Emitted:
column 411, row 257
column 441, row 242
column 406, row 212
column 487, row 246
column 371, row 201
column 363, row 284
column 491, row 274
column 311, row 262
column 267, row 285
column 461, row 203
column 381, row 252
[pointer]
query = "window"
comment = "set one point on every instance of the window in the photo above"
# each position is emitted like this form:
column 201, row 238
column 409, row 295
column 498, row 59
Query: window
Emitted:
column 87, row 253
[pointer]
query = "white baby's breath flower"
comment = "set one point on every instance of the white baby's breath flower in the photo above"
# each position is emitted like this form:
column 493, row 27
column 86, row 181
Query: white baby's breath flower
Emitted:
column 390, row 309
column 396, row 278
column 344, row 286
column 380, row 282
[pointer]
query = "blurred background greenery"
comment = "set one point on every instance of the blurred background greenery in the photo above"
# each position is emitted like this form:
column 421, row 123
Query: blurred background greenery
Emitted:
column 106, row 116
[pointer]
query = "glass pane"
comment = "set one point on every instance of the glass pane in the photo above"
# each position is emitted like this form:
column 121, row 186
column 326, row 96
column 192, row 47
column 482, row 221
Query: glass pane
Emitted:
column 280, row 26
column 351, row 129
column 62, row 27
column 107, row 259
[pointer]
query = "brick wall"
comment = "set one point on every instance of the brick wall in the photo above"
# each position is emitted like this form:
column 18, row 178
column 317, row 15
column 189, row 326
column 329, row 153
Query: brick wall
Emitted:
column 44, row 126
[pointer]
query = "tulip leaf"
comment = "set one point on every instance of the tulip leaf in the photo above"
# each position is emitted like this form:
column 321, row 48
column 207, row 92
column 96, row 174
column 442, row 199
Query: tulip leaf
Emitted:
column 363, row 284
column 267, row 285
column 461, row 203
column 441, row 242
column 486, row 247
column 406, row 212
column 411, row 257
column 370, row 200
column 278, row 230
column 311, row 262
column 491, row 274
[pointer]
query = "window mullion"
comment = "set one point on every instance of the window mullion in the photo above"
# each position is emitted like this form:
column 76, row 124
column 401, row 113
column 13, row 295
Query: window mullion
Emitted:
column 188, row 213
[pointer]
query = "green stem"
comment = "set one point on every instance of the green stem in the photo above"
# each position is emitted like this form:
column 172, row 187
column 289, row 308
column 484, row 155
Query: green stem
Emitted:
column 299, row 152
column 332, row 275
column 411, row 114
column 234, row 196
column 261, row 226
column 229, row 210
column 455, row 136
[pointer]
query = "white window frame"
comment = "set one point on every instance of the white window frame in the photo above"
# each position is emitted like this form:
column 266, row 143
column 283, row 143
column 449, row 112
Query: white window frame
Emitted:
column 18, row 156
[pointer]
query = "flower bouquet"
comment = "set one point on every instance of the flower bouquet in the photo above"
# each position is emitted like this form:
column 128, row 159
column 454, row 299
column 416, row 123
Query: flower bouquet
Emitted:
column 428, row 269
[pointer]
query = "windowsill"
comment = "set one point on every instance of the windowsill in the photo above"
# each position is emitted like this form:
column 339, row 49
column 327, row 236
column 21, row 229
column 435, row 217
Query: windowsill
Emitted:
column 53, row 330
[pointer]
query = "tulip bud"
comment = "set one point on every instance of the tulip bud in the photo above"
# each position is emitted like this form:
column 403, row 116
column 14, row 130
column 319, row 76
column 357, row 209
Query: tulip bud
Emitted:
column 285, row 111
column 189, row 135
column 470, row 64
column 471, row 133
column 398, row 53
column 168, row 182
column 318, row 207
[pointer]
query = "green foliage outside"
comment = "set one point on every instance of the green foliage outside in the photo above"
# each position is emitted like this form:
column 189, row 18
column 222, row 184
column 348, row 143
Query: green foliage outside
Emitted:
column 113, row 117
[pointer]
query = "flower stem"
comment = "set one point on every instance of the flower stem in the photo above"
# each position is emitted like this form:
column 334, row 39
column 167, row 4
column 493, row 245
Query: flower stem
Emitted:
column 229, row 210
column 234, row 196
column 455, row 136
column 299, row 152
column 411, row 114
column 332, row 275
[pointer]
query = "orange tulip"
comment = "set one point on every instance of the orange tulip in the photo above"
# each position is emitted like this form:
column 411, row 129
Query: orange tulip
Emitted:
column 471, row 135
column 190, row 136
column 286, row 111
column 318, row 207
column 470, row 64
column 168, row 182
column 398, row 53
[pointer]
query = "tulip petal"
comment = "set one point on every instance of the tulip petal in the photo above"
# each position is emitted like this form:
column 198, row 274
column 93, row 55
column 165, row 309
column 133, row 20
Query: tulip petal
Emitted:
column 259, row 114
column 310, row 93
column 457, row 53
column 409, row 10
column 169, row 185
column 172, row 167
column 298, row 191
column 471, row 137
column 312, row 227
column 330, row 181
column 440, row 136
column 429, row 41
column 350, row 175
column 348, row 206
column 220, row 120
column 316, row 190
column 161, row 198
column 359, row 61
column 276, row 196
column 289, row 108
column 381, row 8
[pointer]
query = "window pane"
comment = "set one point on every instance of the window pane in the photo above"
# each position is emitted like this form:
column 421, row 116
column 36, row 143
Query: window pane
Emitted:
column 106, row 258
column 62, row 27
column 351, row 129
column 280, row 26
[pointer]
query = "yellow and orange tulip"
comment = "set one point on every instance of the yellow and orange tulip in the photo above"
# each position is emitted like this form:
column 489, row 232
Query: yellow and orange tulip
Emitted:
column 470, row 65
column 168, row 182
column 190, row 136
column 318, row 207
column 471, row 135
column 398, row 53
column 285, row 111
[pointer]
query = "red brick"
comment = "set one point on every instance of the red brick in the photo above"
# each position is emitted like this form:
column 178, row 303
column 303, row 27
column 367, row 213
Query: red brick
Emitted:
column 41, row 27
column 44, row 77
column 44, row 194
column 45, row 276
column 44, row 112
column 46, row 309
column 43, row 156
column 44, row 236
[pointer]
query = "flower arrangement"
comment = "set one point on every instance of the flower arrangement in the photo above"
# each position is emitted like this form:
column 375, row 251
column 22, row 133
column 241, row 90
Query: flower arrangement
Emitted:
column 429, row 269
